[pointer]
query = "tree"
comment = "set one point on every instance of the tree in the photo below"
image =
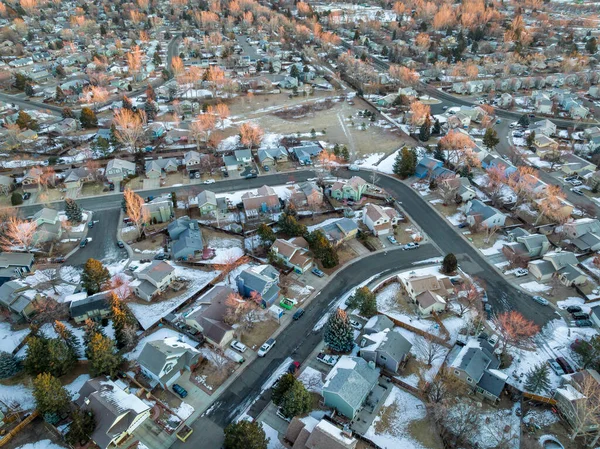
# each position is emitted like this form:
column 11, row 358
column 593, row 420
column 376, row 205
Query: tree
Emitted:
column 81, row 428
column 73, row 211
column 530, row 139
column 61, row 357
column 296, row 401
column 25, row 121
column 345, row 153
column 266, row 234
column 588, row 352
column 250, row 134
column 437, row 128
column 490, row 138
column 339, row 334
column 134, row 207
column 16, row 199
column 68, row 336
column 245, row 435
column 36, row 360
column 104, row 357
column 419, row 113
column 537, row 380
column 515, row 329
column 289, row 225
column 88, row 118
column 9, row 365
column 322, row 248
column 94, row 276
column 294, row 72
column 67, row 113
column 283, row 385
column 405, row 163
column 468, row 297
column 586, row 411
column 425, row 130
column 591, row 45
column 365, row 300
column 60, row 95
column 429, row 349
column 449, row 264
column 20, row 81
column 129, row 127
column 445, row 387
column 123, row 323
column 18, row 235
column 459, row 147
column 51, row 398
column 524, row 121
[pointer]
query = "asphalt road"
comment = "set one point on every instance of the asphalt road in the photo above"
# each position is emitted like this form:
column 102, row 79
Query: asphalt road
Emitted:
column 298, row 339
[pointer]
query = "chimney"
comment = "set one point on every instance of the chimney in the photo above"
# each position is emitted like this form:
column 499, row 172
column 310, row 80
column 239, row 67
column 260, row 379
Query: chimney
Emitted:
column 371, row 364
column 346, row 431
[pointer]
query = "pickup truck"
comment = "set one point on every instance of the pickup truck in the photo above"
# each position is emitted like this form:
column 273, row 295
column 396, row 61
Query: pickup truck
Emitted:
column 327, row 359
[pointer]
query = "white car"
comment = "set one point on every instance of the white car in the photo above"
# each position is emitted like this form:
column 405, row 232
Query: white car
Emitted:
column 209, row 181
column 520, row 272
column 410, row 246
column 266, row 347
column 238, row 346
column 392, row 240
column 493, row 340
column 356, row 325
column 512, row 125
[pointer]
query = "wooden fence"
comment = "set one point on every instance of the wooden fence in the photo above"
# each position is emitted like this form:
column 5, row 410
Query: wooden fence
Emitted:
column 538, row 398
column 9, row 436
column 418, row 331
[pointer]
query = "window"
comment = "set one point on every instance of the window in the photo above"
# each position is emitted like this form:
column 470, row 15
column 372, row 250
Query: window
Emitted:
column 469, row 380
column 457, row 372
column 382, row 357
column 168, row 367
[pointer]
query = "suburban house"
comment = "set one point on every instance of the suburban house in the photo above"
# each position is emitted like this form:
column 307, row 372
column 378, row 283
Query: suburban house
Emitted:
column 476, row 364
column 209, row 316
column 308, row 195
column 388, row 349
column 526, row 247
column 306, row 151
column 558, row 263
column 544, row 144
column 271, row 156
column 260, row 282
column 118, row 413
column 154, row 279
column 593, row 137
column 76, row 177
column 571, row 164
column 32, row 178
column 310, row 433
column 584, row 233
column 14, row 265
column 377, row 323
column 430, row 167
column 93, row 307
column 48, row 225
column 545, row 127
column 160, row 209
column 351, row 189
column 380, row 220
column 19, row 299
column 293, row 253
column 265, row 200
column 480, row 214
column 186, row 238
column 339, row 231
column 464, row 191
column 118, row 169
column 428, row 292
column 163, row 361
column 207, row 202
column 595, row 316
column 158, row 168
column 348, row 384
column 192, row 160
column 571, row 394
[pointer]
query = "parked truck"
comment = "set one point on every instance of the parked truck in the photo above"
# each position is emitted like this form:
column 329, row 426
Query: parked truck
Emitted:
column 327, row 359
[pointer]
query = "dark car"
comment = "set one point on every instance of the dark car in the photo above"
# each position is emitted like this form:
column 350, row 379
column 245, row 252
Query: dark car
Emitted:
column 298, row 314
column 182, row 392
column 488, row 310
column 160, row 256
column 226, row 174
column 565, row 365
column 573, row 309
column 90, row 224
column 581, row 316
column 120, row 244
column 583, row 323
column 83, row 243
column 294, row 367
column 59, row 260
column 26, row 195
column 463, row 225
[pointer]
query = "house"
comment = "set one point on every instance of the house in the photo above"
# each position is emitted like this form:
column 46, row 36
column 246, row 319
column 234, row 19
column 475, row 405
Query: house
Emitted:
column 544, row 144
column 480, row 214
column 209, row 316
column 160, row 209
column 192, row 160
column 351, row 189
column 292, row 255
column 118, row 169
column 430, row 302
column 271, row 156
column 306, row 152
column 377, row 324
column 379, row 219
column 571, row 396
column 595, row 315
column 348, row 384
column 388, row 349
column 542, row 102
column 584, row 233
column 475, row 364
column 593, row 138
column 565, row 209
column 186, row 238
column 506, row 100
column 527, row 246
column 48, row 225
column 117, row 412
column 158, row 168
column 464, row 191
column 19, row 299
column 66, row 126
column 154, row 279
column 562, row 264
column 259, row 282
column 265, row 200
column 207, row 202
column 308, row 194
column 32, row 179
column 93, row 307
column 572, row 164
column 240, row 159
column 310, row 433
column 429, row 292
column 340, row 231
column 14, row 265
column 545, row 127
column 426, row 166
column 163, row 361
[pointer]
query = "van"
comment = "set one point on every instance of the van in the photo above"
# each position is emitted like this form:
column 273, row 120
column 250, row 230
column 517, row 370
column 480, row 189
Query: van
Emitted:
column 232, row 355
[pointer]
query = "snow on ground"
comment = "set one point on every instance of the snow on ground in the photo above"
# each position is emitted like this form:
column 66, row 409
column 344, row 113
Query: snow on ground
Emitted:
column 184, row 410
column 436, row 260
column 456, row 219
column 226, row 250
column 542, row 418
column 419, row 341
column 406, row 408
column 491, row 429
column 312, row 379
column 573, row 301
column 149, row 314
column 76, row 385
column 589, row 265
column 370, row 161
column 273, row 437
column 10, row 339
column 280, row 371
column 495, row 249
column 535, row 287
column 44, row 444
column 160, row 334
column 17, row 394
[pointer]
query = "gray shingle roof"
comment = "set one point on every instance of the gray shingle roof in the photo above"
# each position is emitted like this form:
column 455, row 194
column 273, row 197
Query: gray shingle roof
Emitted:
column 353, row 384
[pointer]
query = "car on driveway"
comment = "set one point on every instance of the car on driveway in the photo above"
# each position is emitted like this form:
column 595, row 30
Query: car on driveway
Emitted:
column 238, row 346
column 583, row 323
column 355, row 324
column 294, row 367
column 317, row 272
column 488, row 310
column 555, row 367
column 565, row 365
column 392, row 239
column 266, row 347
column 520, row 272
column 327, row 359
column 26, row 196
column 540, row 300
column 282, row 416
column 573, row 309
column 581, row 316
column 411, row 245
column 182, row 392
column 90, row 224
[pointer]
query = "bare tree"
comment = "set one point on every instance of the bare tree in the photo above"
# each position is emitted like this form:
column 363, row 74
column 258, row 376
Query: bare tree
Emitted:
column 48, row 310
column 219, row 361
column 468, row 297
column 445, row 388
column 586, row 409
column 134, row 206
column 250, row 134
column 129, row 127
column 18, row 235
column 515, row 330
column 429, row 349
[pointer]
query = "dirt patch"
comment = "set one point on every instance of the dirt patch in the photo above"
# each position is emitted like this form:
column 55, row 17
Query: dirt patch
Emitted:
column 303, row 110
column 345, row 254
column 36, row 431
column 74, row 373
column 421, row 431
column 151, row 245
column 387, row 417
column 259, row 334
column 209, row 377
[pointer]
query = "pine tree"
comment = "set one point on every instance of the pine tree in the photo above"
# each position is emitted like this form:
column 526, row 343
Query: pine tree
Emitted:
column 127, row 104
column 437, row 128
column 294, row 72
column 296, row 401
column 245, row 435
column 156, row 59
column 123, row 321
column 449, row 264
column 36, row 360
column 266, row 233
column 103, row 356
column 25, row 121
column 339, row 335
column 345, row 153
column 88, row 118
column 60, row 95
column 81, row 427
column 524, row 120
column 61, row 357
column 90, row 329
column 405, row 163
column 424, row 131
column 73, row 211
column 336, row 150
column 9, row 365
column 537, row 379
column 283, row 385
column 67, row 113
column 50, row 396
column 94, row 276
column 397, row 168
column 68, row 336
column 490, row 138
column 531, row 139
column 323, row 249
column 151, row 109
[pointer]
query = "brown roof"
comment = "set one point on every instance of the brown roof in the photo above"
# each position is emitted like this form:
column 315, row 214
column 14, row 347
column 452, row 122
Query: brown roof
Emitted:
column 375, row 212
column 300, row 242
column 428, row 299
column 284, row 248
column 423, row 283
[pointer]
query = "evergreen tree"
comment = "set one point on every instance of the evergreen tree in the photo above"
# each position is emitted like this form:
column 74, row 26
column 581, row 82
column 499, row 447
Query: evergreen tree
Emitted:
column 405, row 163
column 490, row 139
column 36, row 359
column 245, row 435
column 283, row 385
column 345, row 153
column 151, row 109
column 88, row 118
column 437, row 128
column 524, row 121
column 588, row 353
column 61, row 357
column 114, row 140
column 103, row 356
column 9, row 365
column 81, row 428
column 102, row 146
column 20, row 81
column 16, row 199
column 290, row 226
column 50, row 396
column 266, row 234
column 67, row 113
column 449, row 264
column 336, row 150
column 591, row 45
column 68, row 336
column 156, row 59
column 365, row 300
column 339, row 335
column 94, row 276
column 322, row 249
column 531, row 139
column 439, row 154
column 424, row 131
column 294, row 72
column 29, row 90
column 25, row 121
column 127, row 104
column 123, row 321
column 537, row 380
column 73, row 211
column 90, row 329
column 296, row 400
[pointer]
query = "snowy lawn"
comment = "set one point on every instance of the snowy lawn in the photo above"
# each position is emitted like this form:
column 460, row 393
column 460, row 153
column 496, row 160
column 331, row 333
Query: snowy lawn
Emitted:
column 184, row 411
column 273, row 437
column 390, row 429
column 76, row 385
column 535, row 287
column 456, row 219
column 227, row 250
column 160, row 334
column 17, row 395
column 9, row 339
column 44, row 444
column 495, row 249
column 419, row 351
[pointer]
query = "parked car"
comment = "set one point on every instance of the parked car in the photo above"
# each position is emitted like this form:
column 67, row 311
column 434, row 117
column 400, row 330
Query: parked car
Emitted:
column 90, row 224
column 353, row 168
column 577, row 192
column 209, row 181
column 355, row 324
column 512, row 125
column 488, row 310
column 412, row 245
column 282, row 416
column 182, row 392
column 540, row 300
column 565, row 365
column 266, row 168
column 317, row 272
column 555, row 367
column 520, row 272
column 120, row 244
column 266, row 347
column 226, row 174
column 83, row 243
column 327, row 359
column 463, row 225
column 573, row 309
column 58, row 260
column 583, row 323
column 493, row 340
column 293, row 368
column 580, row 316
column 238, row 346
column 392, row 239
column 298, row 314
column 26, row 196
column 161, row 256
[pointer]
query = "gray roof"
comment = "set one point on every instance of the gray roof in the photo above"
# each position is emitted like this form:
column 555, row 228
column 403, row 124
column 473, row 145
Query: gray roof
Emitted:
column 544, row 267
column 242, row 154
column 491, row 383
column 210, row 315
column 258, row 281
column 378, row 323
column 146, row 287
column 155, row 355
column 94, row 302
column 207, row 197
column 158, row 270
column 188, row 243
column 395, row 345
column 353, row 384
column 46, row 214
column 517, row 232
column 534, row 241
column 571, row 272
column 271, row 153
column 478, row 208
column 7, row 292
column 229, row 161
column 586, row 241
